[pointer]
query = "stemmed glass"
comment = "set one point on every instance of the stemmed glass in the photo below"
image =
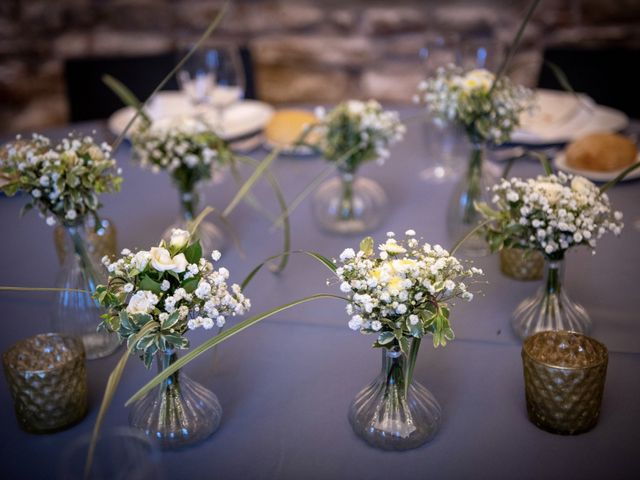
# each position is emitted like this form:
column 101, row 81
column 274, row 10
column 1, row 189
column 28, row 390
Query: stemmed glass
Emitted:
column 440, row 138
column 197, row 76
column 229, row 80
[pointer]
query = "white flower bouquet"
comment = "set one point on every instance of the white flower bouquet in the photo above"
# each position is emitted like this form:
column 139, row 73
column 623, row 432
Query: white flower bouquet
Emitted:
column 167, row 290
column 355, row 132
column 402, row 293
column 63, row 181
column 549, row 213
column 351, row 134
column 487, row 112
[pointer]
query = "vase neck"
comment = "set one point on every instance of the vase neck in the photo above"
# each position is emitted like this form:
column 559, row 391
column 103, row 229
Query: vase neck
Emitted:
column 393, row 368
column 553, row 277
column 164, row 360
column 189, row 201
column 476, row 156
column 82, row 252
column 346, row 208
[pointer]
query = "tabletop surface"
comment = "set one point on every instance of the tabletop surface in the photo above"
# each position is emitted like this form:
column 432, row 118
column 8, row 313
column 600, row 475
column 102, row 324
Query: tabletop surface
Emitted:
column 285, row 384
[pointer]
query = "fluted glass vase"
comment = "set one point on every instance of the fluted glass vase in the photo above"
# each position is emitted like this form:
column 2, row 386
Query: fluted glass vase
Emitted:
column 102, row 240
column 210, row 236
column 75, row 311
column 348, row 204
column 550, row 308
column 389, row 416
column 462, row 216
column 178, row 413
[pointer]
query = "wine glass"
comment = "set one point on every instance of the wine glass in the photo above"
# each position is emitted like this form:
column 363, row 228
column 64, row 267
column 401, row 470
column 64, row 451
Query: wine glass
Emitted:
column 229, row 79
column 481, row 52
column 440, row 138
column 196, row 76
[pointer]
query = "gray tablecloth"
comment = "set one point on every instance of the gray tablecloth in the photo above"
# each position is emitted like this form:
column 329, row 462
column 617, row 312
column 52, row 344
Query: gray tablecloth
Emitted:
column 286, row 384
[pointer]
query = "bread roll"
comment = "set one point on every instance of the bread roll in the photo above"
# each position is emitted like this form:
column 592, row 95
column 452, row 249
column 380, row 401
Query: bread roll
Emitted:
column 286, row 126
column 602, row 152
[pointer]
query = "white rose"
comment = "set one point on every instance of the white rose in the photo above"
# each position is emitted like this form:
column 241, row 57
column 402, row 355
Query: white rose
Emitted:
column 180, row 263
column 161, row 259
column 581, row 185
column 551, row 191
column 140, row 260
column 179, row 238
column 142, row 302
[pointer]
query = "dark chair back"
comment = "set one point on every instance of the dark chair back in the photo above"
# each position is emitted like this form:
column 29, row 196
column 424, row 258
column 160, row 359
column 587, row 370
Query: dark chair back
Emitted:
column 605, row 74
column 89, row 98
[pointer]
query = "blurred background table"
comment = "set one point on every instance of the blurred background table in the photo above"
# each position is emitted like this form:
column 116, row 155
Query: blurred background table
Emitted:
column 285, row 385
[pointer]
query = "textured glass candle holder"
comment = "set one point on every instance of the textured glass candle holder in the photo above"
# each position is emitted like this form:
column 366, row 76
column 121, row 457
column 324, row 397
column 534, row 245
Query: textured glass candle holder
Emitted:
column 564, row 375
column 521, row 264
column 48, row 381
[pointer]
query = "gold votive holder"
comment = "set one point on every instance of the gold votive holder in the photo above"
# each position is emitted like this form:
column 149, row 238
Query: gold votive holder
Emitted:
column 521, row 264
column 564, row 375
column 48, row 381
column 103, row 241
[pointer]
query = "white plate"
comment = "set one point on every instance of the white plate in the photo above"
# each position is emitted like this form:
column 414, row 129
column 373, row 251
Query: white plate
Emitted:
column 562, row 118
column 560, row 162
column 240, row 119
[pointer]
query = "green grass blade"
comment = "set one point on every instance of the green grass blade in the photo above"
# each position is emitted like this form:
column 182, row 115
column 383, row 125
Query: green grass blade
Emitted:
column 212, row 342
column 544, row 161
column 469, row 235
column 321, row 258
column 514, row 45
column 246, row 187
column 126, row 95
column 212, row 26
column 40, row 289
column 622, row 174
column 510, row 162
column 413, row 355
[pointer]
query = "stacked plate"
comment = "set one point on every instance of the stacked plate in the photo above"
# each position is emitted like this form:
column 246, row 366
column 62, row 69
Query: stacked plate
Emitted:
column 241, row 124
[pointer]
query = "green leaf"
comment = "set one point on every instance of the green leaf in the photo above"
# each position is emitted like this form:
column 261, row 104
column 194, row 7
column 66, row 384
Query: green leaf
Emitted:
column 366, row 246
column 170, row 321
column 212, row 342
column 126, row 95
column 386, row 337
column 146, row 283
column 191, row 284
column 193, row 253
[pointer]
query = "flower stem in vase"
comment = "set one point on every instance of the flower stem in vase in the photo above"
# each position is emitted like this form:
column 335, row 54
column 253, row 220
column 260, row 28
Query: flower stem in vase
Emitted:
column 550, row 308
column 346, row 210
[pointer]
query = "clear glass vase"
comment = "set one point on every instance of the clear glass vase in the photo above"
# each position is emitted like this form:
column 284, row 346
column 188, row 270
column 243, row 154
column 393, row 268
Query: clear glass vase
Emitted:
column 210, row 236
column 102, row 241
column 178, row 413
column 76, row 312
column 442, row 143
column 550, row 308
column 462, row 216
column 348, row 205
column 388, row 416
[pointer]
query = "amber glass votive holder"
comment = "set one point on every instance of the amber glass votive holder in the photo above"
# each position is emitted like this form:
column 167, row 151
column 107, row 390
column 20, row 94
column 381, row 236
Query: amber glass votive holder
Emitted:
column 521, row 264
column 564, row 376
column 48, row 381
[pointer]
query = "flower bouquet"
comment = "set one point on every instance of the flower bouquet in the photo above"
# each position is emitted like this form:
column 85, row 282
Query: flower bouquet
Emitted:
column 549, row 214
column 192, row 154
column 351, row 134
column 63, row 183
column 153, row 299
column 400, row 296
column 488, row 109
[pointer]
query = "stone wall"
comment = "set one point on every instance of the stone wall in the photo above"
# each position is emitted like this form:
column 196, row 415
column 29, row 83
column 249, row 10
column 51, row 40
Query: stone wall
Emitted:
column 308, row 50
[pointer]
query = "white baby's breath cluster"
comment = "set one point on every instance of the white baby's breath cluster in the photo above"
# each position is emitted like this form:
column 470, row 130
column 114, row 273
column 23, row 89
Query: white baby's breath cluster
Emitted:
column 402, row 292
column 465, row 98
column 355, row 132
column 187, row 148
column 63, row 180
column 549, row 213
column 174, row 287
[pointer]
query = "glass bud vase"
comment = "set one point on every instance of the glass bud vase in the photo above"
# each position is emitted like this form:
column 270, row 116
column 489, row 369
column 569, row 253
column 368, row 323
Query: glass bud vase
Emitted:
column 348, row 205
column 462, row 216
column 550, row 308
column 102, row 241
column 76, row 312
column 390, row 417
column 178, row 413
column 210, row 236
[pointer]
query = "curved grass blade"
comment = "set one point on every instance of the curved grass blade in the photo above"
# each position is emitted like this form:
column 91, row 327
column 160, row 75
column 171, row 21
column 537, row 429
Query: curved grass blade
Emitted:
column 286, row 232
column 514, row 45
column 510, row 162
column 109, row 392
column 249, row 199
column 193, row 225
column 413, row 356
column 622, row 174
column 212, row 26
column 469, row 235
column 40, row 289
column 544, row 161
column 212, row 342
column 126, row 95
column 321, row 258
